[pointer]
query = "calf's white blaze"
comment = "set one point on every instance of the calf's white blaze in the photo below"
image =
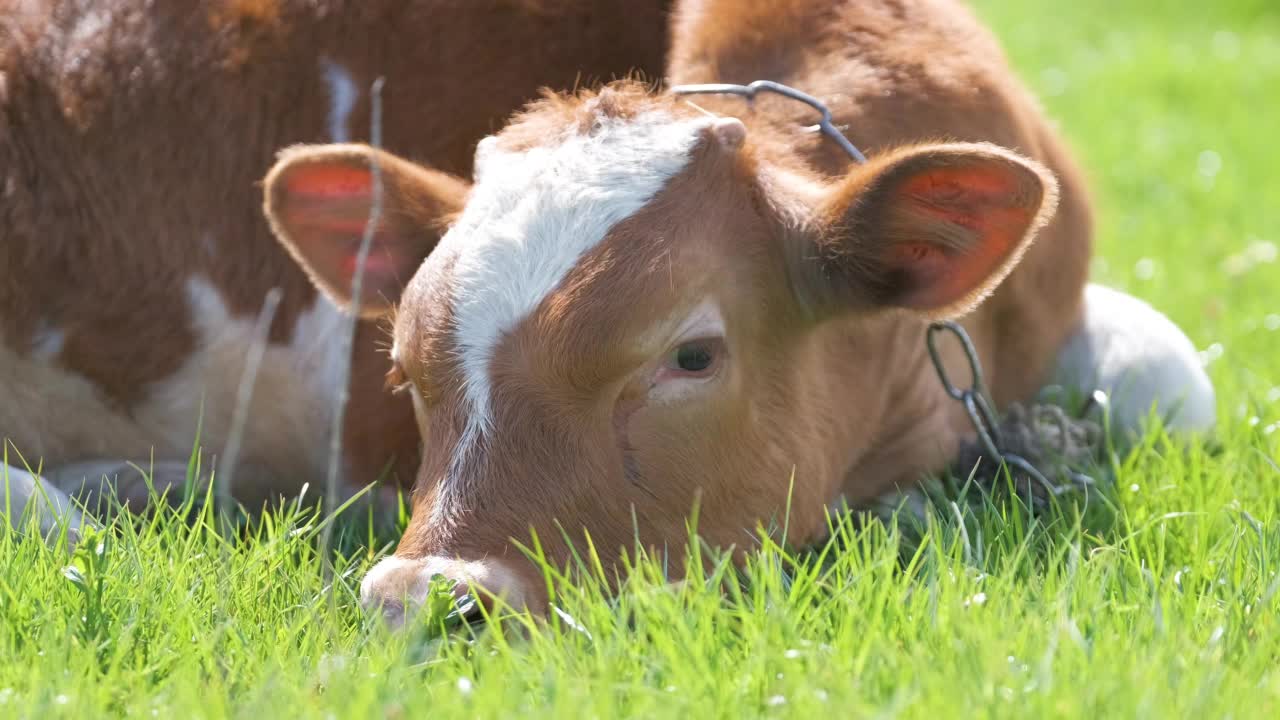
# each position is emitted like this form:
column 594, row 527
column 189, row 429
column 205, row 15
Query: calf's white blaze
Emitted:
column 529, row 219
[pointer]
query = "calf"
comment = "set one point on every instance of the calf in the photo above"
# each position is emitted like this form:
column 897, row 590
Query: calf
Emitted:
column 132, row 140
column 645, row 302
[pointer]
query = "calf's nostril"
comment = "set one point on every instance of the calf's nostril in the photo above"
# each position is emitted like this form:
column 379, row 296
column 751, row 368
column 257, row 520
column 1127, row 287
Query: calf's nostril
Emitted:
column 392, row 612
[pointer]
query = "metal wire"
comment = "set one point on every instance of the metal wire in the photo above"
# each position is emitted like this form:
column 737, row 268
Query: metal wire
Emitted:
column 750, row 91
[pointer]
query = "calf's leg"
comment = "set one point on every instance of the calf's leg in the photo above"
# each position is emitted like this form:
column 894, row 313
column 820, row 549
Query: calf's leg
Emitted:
column 99, row 484
column 24, row 495
column 1142, row 361
column 95, row 482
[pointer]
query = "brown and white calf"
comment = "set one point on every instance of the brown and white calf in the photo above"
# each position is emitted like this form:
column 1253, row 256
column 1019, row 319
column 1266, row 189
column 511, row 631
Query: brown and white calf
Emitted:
column 135, row 258
column 645, row 302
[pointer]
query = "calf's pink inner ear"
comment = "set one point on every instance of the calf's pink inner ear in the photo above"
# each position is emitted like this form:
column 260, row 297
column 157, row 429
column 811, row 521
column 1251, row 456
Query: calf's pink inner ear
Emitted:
column 940, row 227
column 970, row 220
column 328, row 211
column 319, row 202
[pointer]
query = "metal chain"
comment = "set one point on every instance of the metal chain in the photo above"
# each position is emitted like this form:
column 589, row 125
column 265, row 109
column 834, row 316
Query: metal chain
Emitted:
column 978, row 407
column 749, row 92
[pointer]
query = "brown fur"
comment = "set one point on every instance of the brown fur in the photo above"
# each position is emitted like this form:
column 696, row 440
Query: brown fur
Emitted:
column 133, row 135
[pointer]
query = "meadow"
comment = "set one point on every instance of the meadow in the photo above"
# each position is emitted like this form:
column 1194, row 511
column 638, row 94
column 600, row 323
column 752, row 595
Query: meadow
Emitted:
column 1157, row 598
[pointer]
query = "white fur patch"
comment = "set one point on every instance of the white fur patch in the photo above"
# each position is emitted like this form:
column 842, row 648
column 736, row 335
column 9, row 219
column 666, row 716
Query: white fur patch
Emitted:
column 342, row 99
column 60, row 419
column 1140, row 358
column 397, row 581
column 533, row 214
column 292, row 403
column 29, row 498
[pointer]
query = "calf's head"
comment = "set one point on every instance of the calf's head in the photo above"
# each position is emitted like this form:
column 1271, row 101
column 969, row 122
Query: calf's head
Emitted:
column 625, row 318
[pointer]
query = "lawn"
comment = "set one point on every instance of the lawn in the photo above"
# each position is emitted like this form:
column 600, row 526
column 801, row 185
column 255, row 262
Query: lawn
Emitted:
column 1160, row 599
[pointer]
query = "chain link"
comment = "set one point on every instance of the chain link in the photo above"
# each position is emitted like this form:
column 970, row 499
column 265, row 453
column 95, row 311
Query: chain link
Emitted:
column 978, row 407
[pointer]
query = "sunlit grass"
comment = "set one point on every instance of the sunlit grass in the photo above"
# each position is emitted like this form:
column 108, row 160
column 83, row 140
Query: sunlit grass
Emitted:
column 1158, row 598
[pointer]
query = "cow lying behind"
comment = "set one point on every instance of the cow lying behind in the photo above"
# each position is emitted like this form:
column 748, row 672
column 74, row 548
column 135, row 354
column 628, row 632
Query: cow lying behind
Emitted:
column 644, row 301
column 133, row 135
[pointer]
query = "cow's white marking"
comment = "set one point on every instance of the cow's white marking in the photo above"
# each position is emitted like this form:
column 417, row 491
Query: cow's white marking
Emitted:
column 61, row 418
column 398, row 585
column 292, row 402
column 1136, row 354
column 87, row 26
column 342, row 99
column 127, row 478
column 485, row 149
column 47, row 341
column 529, row 218
column 30, row 498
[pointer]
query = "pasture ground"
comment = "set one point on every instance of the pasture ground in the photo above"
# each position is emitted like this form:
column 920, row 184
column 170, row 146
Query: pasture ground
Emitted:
column 1158, row 600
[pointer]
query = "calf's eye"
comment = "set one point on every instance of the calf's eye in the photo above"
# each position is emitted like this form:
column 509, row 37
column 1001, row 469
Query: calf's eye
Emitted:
column 693, row 358
column 696, row 358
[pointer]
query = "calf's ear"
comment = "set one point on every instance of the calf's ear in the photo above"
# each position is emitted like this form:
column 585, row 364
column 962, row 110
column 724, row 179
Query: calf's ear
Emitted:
column 319, row 199
column 932, row 229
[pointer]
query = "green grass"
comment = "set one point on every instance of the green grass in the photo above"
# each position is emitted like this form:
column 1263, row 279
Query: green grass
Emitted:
column 1168, row 608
